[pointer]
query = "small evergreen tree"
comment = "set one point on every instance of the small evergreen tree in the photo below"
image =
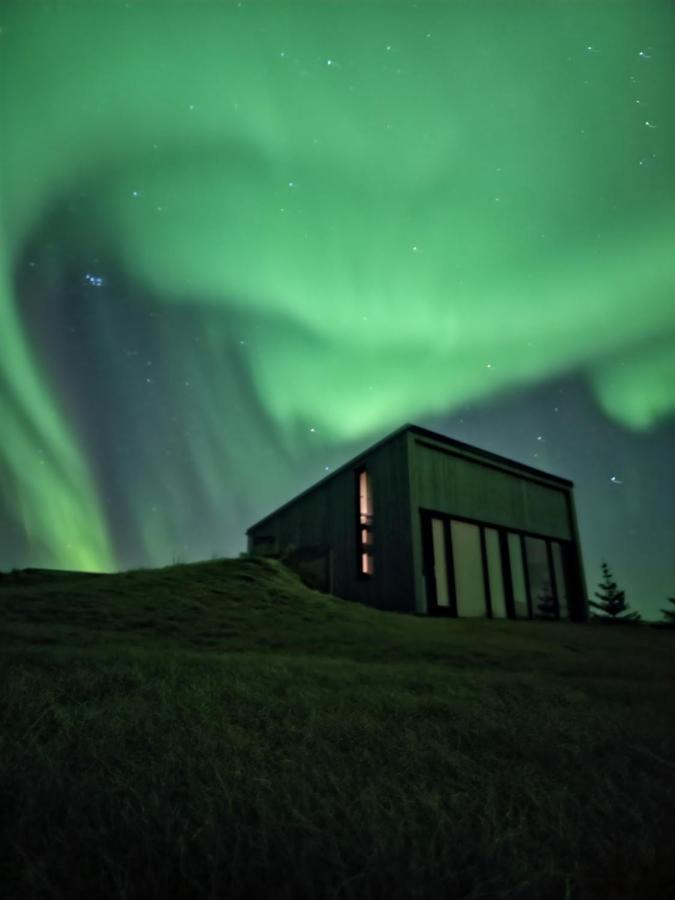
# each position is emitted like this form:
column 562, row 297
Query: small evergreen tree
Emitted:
column 669, row 621
column 612, row 603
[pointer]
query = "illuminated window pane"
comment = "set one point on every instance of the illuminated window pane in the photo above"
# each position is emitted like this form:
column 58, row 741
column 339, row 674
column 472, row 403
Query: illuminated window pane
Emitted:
column 517, row 576
column 494, row 559
column 365, row 541
column 365, row 497
column 560, row 581
column 440, row 564
column 468, row 564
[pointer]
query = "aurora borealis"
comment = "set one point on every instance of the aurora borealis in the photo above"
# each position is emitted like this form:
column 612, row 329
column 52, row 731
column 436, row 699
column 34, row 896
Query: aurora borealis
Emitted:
column 240, row 241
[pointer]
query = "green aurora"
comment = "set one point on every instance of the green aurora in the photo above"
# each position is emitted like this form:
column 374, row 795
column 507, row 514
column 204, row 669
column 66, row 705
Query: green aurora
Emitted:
column 410, row 206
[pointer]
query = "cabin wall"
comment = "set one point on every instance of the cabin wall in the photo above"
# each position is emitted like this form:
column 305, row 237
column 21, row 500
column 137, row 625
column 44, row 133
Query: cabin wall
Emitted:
column 327, row 518
column 474, row 488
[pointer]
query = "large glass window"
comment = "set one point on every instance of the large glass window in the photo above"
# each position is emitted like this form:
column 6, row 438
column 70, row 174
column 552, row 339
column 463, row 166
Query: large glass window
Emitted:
column 496, row 578
column 518, row 576
column 560, row 580
column 468, row 565
column 440, row 563
column 541, row 587
column 538, row 566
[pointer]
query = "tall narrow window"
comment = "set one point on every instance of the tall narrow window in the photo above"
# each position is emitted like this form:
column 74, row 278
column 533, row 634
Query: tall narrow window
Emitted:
column 542, row 590
column 468, row 562
column 560, row 580
column 518, row 576
column 365, row 523
column 495, row 575
column 440, row 562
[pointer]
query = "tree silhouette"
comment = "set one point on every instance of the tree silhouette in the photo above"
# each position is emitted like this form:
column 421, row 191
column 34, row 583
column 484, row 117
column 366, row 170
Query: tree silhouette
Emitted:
column 669, row 621
column 612, row 603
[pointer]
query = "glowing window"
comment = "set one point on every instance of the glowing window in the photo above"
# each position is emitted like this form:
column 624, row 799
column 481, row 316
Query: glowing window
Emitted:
column 365, row 523
column 365, row 498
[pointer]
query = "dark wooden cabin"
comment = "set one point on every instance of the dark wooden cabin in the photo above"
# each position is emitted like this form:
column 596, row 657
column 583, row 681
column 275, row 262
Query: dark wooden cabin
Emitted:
column 422, row 523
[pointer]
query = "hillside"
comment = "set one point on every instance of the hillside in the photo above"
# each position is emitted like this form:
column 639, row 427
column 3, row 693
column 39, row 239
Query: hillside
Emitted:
column 257, row 604
column 219, row 729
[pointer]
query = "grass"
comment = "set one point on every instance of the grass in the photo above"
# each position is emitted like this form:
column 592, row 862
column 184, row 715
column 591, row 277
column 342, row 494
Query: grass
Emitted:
column 219, row 730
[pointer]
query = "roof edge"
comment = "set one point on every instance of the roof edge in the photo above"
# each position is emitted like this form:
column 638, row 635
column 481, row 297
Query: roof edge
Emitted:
column 432, row 435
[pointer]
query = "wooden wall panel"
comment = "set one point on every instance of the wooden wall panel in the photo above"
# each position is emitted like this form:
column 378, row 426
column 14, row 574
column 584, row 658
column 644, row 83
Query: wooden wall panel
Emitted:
column 328, row 515
column 464, row 487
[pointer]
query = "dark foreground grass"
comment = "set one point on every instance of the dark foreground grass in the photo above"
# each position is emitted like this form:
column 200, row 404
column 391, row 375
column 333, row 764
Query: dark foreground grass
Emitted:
column 221, row 731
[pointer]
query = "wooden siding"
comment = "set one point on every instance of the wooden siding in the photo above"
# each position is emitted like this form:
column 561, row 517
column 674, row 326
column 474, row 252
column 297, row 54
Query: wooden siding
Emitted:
column 478, row 490
column 328, row 515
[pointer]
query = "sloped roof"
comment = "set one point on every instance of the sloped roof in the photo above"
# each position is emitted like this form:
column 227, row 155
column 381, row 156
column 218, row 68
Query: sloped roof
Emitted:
column 459, row 447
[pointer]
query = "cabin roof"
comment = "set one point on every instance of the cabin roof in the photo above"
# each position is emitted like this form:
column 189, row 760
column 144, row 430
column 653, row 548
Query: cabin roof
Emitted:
column 460, row 448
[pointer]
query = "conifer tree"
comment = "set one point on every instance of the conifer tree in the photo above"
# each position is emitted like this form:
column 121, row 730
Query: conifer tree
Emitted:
column 669, row 621
column 612, row 603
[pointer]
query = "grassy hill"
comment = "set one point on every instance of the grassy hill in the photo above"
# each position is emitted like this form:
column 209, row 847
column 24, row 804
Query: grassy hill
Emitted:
column 220, row 730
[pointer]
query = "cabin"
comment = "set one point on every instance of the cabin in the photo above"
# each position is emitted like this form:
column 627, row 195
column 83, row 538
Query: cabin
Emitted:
column 422, row 523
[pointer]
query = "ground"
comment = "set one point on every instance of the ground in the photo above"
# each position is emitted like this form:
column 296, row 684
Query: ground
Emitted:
column 220, row 730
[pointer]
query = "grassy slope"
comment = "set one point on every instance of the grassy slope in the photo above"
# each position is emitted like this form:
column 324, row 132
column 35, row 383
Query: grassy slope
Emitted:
column 220, row 730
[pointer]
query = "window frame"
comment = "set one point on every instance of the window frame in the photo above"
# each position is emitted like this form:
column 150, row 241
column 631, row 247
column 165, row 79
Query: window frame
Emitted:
column 566, row 546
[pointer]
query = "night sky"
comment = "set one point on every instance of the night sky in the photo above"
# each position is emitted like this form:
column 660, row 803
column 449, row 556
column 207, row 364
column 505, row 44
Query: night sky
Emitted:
column 241, row 242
